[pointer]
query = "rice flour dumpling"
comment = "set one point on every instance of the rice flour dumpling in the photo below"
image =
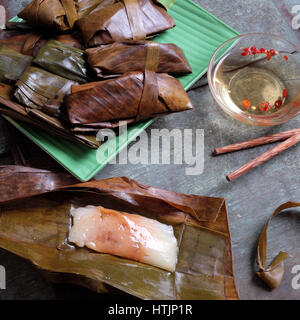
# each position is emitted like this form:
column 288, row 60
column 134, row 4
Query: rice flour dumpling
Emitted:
column 126, row 235
column 63, row 60
column 12, row 64
column 127, row 56
column 129, row 97
column 40, row 89
column 125, row 20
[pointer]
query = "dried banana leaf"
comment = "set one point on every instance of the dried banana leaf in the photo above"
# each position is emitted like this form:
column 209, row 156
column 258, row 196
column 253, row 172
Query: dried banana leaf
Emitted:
column 45, row 122
column 29, row 43
column 63, row 60
column 30, row 182
column 273, row 274
column 72, row 40
column 37, row 228
column 55, row 15
column 84, row 7
column 6, row 91
column 40, row 89
column 125, row 20
column 18, row 27
column 122, row 57
column 12, row 64
column 126, row 98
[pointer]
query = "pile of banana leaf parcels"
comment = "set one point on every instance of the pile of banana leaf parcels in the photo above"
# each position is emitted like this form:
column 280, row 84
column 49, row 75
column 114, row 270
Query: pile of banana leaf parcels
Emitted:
column 76, row 66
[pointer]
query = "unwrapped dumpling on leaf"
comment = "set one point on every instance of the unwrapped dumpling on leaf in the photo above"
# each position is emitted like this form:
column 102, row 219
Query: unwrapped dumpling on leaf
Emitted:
column 127, row 56
column 125, row 20
column 131, row 97
column 126, row 235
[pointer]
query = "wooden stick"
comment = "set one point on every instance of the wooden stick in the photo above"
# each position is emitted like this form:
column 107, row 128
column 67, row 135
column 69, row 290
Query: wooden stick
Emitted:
column 256, row 142
column 264, row 157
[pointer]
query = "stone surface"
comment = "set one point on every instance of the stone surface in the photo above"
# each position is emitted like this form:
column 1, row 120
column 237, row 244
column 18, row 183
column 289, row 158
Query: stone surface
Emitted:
column 251, row 199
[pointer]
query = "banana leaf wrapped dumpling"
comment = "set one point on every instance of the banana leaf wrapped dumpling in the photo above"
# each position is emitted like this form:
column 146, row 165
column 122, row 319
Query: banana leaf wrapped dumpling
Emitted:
column 40, row 89
column 27, row 41
column 84, row 7
column 63, row 60
column 57, row 15
column 131, row 97
column 125, row 20
column 12, row 64
column 127, row 56
column 39, row 119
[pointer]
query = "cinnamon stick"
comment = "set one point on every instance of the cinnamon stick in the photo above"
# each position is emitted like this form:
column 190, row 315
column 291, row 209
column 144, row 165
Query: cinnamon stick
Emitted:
column 256, row 142
column 264, row 157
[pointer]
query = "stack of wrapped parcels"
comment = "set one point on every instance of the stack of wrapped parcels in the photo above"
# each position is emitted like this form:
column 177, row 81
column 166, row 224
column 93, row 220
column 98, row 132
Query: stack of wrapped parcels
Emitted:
column 78, row 66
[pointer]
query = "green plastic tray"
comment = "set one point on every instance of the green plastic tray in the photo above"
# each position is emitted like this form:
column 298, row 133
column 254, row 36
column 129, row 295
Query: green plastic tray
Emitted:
column 197, row 32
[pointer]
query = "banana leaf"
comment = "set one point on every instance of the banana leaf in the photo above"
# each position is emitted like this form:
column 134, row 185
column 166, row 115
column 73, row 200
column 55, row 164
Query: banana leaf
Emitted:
column 125, row 98
column 273, row 274
column 55, row 15
column 36, row 228
column 122, row 57
column 30, row 182
column 84, row 7
column 125, row 20
column 12, row 64
column 29, row 43
column 6, row 91
column 63, row 60
column 45, row 122
column 40, row 89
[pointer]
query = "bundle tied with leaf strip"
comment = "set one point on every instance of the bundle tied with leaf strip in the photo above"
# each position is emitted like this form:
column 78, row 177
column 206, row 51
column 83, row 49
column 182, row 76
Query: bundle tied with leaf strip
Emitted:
column 60, row 15
column 84, row 7
column 121, row 57
column 57, row 15
column 29, row 42
column 39, row 119
column 205, row 266
column 40, row 89
column 132, row 97
column 63, row 60
column 125, row 20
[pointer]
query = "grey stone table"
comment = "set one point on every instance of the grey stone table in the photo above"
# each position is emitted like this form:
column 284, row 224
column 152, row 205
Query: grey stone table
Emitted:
column 250, row 199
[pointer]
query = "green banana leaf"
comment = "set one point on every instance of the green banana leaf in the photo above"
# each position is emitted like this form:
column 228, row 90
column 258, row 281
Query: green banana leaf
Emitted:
column 40, row 89
column 63, row 60
column 36, row 228
column 12, row 64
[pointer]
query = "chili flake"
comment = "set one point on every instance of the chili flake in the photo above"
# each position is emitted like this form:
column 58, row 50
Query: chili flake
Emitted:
column 261, row 106
column 246, row 104
column 284, row 93
column 253, row 50
column 278, row 104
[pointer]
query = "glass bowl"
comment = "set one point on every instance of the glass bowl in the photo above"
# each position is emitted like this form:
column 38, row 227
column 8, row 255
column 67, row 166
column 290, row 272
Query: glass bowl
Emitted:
column 255, row 78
